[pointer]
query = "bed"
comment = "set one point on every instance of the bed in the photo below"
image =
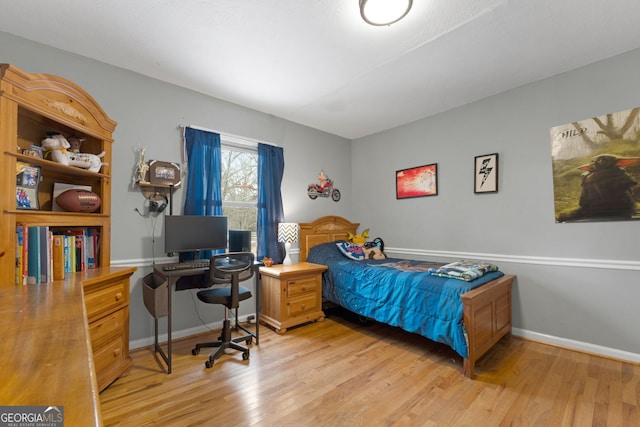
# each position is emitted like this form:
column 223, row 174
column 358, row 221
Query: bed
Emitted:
column 471, row 318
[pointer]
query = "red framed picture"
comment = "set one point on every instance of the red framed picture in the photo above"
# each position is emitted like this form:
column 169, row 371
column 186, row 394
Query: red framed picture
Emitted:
column 419, row 181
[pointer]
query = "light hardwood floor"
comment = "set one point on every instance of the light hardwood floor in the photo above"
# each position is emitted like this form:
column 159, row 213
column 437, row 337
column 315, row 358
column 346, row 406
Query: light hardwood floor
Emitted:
column 338, row 372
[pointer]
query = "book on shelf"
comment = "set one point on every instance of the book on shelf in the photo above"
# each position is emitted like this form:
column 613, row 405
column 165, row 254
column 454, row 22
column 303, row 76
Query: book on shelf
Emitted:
column 68, row 253
column 25, row 256
column 33, row 258
column 21, row 254
column 58, row 256
column 90, row 248
column 95, row 237
column 79, row 253
column 44, row 253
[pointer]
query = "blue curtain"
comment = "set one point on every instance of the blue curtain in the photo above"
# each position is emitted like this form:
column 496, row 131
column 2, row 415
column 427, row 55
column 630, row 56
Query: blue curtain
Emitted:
column 270, row 211
column 204, row 191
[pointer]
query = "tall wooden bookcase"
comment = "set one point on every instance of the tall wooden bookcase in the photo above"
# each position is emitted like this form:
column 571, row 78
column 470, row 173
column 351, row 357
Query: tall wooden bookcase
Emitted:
column 31, row 106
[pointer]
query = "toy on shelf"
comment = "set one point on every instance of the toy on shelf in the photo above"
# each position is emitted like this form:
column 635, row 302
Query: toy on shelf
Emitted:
column 141, row 174
column 79, row 200
column 56, row 148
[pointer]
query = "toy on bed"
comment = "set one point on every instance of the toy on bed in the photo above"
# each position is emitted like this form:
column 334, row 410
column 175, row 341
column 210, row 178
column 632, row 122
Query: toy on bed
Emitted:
column 374, row 249
column 357, row 247
column 56, row 148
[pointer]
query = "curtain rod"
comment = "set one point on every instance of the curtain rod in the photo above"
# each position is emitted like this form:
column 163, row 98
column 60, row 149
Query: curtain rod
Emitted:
column 229, row 136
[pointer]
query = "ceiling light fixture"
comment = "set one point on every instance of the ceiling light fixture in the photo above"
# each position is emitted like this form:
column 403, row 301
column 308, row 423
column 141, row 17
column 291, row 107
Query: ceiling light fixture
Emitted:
column 384, row 12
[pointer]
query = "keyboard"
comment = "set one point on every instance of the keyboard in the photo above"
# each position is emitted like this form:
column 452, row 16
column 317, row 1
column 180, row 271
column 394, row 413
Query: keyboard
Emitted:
column 185, row 265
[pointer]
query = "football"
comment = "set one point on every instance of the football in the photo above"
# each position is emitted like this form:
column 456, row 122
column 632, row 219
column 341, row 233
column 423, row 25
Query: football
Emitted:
column 76, row 200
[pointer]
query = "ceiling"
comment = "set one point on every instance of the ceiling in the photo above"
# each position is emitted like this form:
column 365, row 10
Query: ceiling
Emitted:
column 315, row 62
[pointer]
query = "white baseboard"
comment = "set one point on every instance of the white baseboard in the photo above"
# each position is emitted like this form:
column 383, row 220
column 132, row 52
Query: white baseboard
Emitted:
column 584, row 347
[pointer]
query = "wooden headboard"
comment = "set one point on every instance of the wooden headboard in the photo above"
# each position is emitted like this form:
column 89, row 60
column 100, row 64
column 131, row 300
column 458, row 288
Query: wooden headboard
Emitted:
column 324, row 230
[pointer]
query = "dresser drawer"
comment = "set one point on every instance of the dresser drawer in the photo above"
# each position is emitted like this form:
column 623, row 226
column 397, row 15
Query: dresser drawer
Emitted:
column 102, row 299
column 104, row 330
column 299, row 306
column 302, row 286
column 111, row 354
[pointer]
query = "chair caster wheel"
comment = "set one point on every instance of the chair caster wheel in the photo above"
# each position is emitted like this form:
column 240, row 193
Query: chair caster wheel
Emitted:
column 249, row 341
column 195, row 351
column 208, row 363
column 245, row 356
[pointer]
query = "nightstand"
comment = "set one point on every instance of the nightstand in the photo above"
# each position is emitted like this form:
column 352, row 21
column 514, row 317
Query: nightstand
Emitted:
column 291, row 295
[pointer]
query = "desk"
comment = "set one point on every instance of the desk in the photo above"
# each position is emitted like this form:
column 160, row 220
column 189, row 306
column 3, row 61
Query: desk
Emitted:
column 45, row 350
column 172, row 277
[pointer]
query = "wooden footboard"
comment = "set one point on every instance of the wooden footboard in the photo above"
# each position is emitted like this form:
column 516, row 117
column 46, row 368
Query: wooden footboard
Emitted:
column 487, row 318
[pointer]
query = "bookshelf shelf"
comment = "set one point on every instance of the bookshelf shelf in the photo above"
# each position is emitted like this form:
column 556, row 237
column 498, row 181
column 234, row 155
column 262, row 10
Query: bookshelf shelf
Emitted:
column 51, row 166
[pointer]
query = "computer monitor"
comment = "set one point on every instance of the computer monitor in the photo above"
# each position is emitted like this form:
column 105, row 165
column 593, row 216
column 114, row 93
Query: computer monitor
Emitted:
column 239, row 240
column 190, row 233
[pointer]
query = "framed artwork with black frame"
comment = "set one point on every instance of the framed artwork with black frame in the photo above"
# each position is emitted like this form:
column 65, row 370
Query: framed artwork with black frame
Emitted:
column 420, row 181
column 164, row 173
column 485, row 174
column 27, row 183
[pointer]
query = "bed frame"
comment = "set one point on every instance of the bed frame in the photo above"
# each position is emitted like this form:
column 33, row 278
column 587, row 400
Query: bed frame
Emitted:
column 487, row 309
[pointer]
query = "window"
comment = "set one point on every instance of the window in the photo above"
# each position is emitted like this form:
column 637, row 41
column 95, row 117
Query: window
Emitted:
column 240, row 186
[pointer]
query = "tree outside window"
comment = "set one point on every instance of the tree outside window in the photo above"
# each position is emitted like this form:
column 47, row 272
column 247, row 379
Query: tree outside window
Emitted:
column 240, row 189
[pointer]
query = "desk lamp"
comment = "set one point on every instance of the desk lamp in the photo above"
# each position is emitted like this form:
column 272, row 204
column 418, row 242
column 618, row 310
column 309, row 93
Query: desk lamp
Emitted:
column 287, row 233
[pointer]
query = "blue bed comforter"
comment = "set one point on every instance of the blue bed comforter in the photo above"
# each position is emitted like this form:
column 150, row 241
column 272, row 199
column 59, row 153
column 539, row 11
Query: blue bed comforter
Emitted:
column 398, row 292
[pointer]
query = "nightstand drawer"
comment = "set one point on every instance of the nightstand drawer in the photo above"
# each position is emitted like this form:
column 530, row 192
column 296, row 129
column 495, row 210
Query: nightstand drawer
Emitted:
column 302, row 286
column 299, row 306
column 103, row 299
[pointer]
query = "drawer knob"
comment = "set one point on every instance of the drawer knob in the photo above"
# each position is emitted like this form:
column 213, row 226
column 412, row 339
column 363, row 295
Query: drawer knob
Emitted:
column 116, row 352
column 303, row 306
column 118, row 296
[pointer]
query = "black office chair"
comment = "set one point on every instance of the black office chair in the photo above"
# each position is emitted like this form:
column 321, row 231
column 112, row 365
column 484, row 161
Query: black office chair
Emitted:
column 229, row 268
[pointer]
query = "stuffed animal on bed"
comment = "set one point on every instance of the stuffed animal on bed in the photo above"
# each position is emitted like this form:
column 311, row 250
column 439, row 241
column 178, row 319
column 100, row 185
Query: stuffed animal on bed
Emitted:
column 358, row 248
column 375, row 249
column 56, row 148
column 359, row 239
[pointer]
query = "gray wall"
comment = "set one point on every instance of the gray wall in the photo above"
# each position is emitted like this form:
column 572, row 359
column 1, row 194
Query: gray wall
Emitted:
column 576, row 282
column 148, row 113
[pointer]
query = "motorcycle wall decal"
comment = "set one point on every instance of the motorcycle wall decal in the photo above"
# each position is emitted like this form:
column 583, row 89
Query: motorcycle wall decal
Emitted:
column 324, row 188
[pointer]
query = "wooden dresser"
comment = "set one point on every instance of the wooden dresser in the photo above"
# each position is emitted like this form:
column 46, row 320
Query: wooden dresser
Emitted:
column 106, row 297
column 55, row 338
column 291, row 295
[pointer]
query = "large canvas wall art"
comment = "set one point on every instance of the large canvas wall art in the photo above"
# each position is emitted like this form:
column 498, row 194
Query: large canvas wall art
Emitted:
column 596, row 168
column 419, row 181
